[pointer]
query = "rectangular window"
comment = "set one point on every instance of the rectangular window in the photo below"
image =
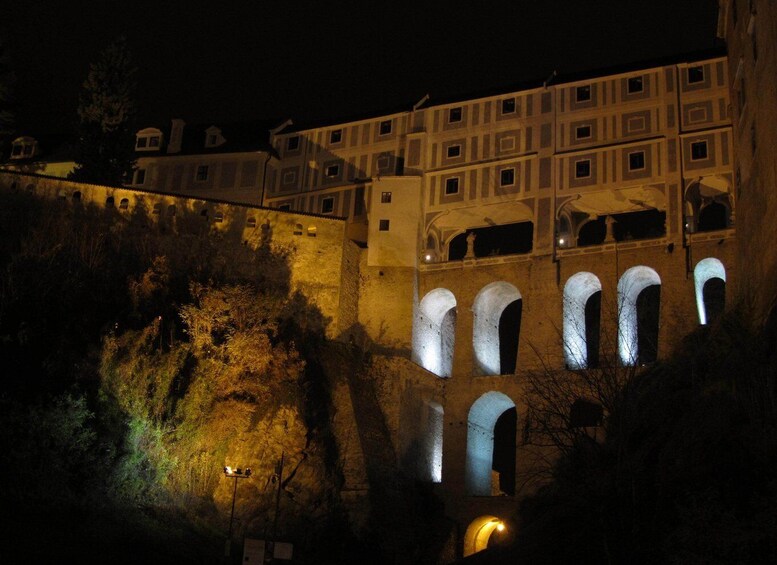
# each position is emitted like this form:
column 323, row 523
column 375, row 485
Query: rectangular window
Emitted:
column 695, row 74
column 17, row 150
column 332, row 171
column 507, row 177
column 583, row 169
column 583, row 93
column 385, row 127
column 637, row 161
column 212, row 140
column 140, row 176
column 508, row 106
column 202, row 173
column 292, row 143
column 153, row 141
column 635, row 85
column 286, row 207
column 454, row 151
column 335, row 136
column 384, row 162
column 583, row 132
column 27, row 152
column 452, row 185
column 454, row 115
column 385, row 197
column 383, row 225
column 698, row 151
column 327, row 205
column 141, row 142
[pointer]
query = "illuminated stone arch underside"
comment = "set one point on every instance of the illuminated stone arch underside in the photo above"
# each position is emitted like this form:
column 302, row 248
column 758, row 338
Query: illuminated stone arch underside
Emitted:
column 630, row 285
column 479, row 532
column 578, row 289
column 487, row 310
column 706, row 269
column 434, row 332
column 481, row 420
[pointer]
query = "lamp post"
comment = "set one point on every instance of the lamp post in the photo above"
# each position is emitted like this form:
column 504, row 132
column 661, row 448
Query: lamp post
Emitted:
column 236, row 474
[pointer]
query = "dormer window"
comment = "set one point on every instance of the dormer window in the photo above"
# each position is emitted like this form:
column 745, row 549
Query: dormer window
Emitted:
column 149, row 139
column 23, row 148
column 213, row 137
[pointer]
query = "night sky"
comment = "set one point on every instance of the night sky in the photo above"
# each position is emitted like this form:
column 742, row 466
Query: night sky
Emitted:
column 314, row 60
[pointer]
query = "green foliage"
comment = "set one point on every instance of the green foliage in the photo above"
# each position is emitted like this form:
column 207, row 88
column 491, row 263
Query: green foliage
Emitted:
column 106, row 115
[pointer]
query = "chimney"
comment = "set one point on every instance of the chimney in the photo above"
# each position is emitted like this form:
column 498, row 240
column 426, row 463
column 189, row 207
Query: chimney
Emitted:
column 176, row 136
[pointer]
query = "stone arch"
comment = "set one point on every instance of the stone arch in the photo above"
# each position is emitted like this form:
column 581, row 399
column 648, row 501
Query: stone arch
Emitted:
column 479, row 532
column 434, row 332
column 637, row 322
column 707, row 271
column 707, row 204
column 482, row 418
column 496, row 328
column 579, row 289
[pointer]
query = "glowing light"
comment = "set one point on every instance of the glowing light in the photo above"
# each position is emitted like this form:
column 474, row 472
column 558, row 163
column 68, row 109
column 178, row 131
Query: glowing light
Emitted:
column 483, row 414
column 631, row 284
column 578, row 289
column 561, row 241
column 487, row 308
column 228, row 470
column 428, row 257
column 500, row 527
column 434, row 332
column 479, row 532
column 705, row 270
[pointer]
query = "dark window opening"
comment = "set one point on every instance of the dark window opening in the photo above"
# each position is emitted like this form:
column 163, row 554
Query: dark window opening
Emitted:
column 637, row 161
column 332, row 171
column 509, row 239
column 635, row 85
column 714, row 296
column 285, row 207
column 153, row 141
column 202, row 173
column 508, row 105
column 251, row 222
column 327, row 205
column 593, row 309
column 698, row 150
column 583, row 93
column 385, row 197
column 454, row 151
column 454, row 115
column 292, row 143
column 124, row 204
column 509, row 331
column 336, row 136
column 503, row 459
column 385, row 127
column 359, row 206
column 714, row 216
column 452, row 185
column 647, row 224
column 76, row 196
column 648, row 303
column 695, row 74
column 110, row 201
column 583, row 169
column 507, row 177
column 582, row 132
column 383, row 225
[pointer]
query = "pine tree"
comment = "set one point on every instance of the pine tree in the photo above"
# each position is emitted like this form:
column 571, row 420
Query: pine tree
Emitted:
column 106, row 113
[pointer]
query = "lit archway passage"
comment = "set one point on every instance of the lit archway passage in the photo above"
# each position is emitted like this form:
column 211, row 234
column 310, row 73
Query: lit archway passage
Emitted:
column 497, row 326
column 434, row 332
column 639, row 296
column 709, row 279
column 482, row 419
column 479, row 532
column 582, row 305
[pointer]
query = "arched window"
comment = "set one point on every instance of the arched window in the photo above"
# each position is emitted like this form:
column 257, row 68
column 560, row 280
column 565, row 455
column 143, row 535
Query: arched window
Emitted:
column 110, row 202
column 434, row 332
column 639, row 297
column 582, row 305
column 497, row 326
column 124, row 204
column 709, row 277
column 76, row 196
column 482, row 457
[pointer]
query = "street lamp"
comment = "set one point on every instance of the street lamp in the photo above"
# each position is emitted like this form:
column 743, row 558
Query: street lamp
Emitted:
column 236, row 474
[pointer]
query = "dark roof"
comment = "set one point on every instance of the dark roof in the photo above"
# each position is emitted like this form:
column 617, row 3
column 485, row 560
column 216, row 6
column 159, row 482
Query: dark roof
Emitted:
column 240, row 137
column 52, row 148
column 514, row 87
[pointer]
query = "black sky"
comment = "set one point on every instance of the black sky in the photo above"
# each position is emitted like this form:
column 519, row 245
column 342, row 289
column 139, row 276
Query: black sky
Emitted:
column 312, row 60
